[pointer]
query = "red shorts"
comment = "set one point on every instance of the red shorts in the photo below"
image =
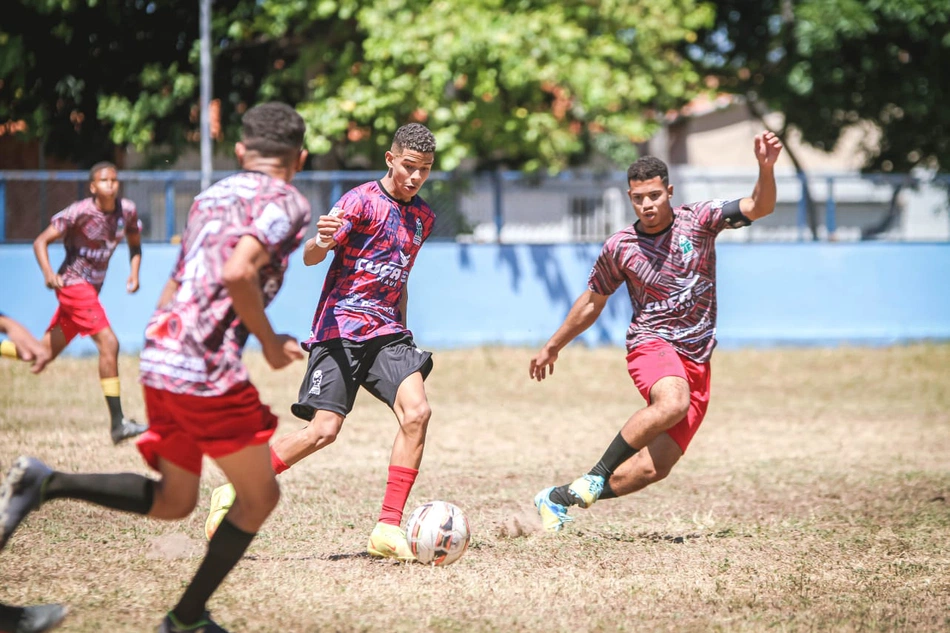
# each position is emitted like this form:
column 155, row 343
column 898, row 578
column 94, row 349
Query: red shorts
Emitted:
column 182, row 428
column 79, row 311
column 655, row 359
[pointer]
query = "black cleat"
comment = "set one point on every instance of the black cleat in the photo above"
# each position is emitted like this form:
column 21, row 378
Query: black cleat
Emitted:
column 40, row 618
column 127, row 429
column 204, row 625
column 20, row 494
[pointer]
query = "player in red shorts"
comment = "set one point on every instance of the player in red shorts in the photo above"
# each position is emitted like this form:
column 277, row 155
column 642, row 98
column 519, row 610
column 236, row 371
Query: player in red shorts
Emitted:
column 41, row 617
column 199, row 399
column 91, row 230
column 667, row 261
column 359, row 337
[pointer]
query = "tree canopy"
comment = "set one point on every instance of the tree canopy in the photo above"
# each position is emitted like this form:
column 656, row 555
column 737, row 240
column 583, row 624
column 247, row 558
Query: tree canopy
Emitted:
column 526, row 84
column 830, row 64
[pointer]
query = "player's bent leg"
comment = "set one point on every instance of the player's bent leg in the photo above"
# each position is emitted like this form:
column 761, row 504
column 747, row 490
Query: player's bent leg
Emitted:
column 256, row 495
column 412, row 410
column 669, row 404
column 122, row 428
column 176, row 494
column 319, row 433
column 649, row 466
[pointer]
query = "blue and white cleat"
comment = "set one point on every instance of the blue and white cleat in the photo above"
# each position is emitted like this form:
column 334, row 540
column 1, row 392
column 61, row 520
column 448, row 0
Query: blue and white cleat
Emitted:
column 553, row 515
column 20, row 494
column 587, row 489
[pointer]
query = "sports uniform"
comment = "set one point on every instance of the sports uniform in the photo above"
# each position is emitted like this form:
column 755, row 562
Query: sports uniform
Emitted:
column 197, row 391
column 671, row 280
column 90, row 236
column 358, row 336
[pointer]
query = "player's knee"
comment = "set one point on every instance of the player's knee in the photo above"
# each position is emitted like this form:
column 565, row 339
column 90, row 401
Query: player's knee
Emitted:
column 416, row 418
column 259, row 504
column 673, row 409
column 320, row 434
column 173, row 507
column 108, row 343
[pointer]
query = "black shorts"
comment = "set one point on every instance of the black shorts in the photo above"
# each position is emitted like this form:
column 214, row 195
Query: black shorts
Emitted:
column 338, row 368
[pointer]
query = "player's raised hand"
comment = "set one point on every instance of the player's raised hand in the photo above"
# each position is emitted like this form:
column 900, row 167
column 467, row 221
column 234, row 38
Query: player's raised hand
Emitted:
column 542, row 364
column 282, row 350
column 767, row 148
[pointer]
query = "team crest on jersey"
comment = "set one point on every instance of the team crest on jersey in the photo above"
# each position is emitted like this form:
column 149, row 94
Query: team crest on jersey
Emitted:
column 417, row 238
column 686, row 248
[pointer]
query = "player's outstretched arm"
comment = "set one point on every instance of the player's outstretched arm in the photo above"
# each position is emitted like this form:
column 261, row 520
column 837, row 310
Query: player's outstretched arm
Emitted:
column 583, row 313
column 41, row 250
column 767, row 148
column 241, row 277
column 135, row 261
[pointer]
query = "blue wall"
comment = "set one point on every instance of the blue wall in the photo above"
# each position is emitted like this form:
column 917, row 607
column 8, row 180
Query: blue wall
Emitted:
column 462, row 295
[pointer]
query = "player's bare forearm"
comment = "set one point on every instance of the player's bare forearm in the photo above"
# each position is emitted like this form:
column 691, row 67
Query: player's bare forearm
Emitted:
column 241, row 277
column 768, row 147
column 314, row 254
column 582, row 315
column 764, row 195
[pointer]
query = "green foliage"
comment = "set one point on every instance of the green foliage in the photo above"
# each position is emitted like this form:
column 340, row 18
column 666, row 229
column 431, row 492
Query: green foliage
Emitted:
column 829, row 64
column 525, row 84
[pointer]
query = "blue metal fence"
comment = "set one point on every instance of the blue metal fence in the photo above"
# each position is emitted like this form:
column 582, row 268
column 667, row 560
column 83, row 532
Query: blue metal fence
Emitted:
column 489, row 207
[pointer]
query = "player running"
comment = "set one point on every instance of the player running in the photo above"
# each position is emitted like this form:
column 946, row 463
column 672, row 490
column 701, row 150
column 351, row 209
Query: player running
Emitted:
column 199, row 399
column 667, row 260
column 91, row 229
column 359, row 335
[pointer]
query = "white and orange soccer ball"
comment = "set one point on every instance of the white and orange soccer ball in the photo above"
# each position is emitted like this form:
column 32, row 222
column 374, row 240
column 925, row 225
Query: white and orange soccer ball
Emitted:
column 438, row 533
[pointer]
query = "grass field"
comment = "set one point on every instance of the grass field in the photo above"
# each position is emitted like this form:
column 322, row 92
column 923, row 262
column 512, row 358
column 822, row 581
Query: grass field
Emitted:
column 815, row 497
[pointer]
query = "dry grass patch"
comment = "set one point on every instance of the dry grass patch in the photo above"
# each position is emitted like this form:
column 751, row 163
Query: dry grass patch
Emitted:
column 816, row 497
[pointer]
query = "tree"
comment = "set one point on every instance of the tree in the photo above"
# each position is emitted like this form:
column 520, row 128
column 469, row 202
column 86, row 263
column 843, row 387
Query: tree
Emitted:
column 520, row 83
column 831, row 64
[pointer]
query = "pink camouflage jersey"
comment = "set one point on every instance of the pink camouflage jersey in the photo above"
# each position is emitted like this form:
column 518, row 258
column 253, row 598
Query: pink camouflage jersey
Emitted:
column 90, row 236
column 194, row 344
column 376, row 248
column 671, row 278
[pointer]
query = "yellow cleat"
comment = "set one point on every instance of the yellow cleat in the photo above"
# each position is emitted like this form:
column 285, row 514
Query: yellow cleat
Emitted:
column 221, row 501
column 389, row 541
column 587, row 489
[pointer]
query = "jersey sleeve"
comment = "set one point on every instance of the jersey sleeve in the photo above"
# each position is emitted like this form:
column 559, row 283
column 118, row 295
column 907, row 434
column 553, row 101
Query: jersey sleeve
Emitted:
column 606, row 275
column 66, row 218
column 130, row 216
column 709, row 215
column 277, row 222
column 349, row 208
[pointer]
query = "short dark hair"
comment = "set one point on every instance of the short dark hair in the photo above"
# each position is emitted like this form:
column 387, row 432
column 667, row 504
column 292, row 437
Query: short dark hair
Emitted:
column 415, row 137
column 273, row 129
column 103, row 164
column 648, row 168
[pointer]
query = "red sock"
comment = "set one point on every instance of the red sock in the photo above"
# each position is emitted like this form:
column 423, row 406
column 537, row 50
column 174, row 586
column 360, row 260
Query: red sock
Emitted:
column 277, row 463
column 397, row 492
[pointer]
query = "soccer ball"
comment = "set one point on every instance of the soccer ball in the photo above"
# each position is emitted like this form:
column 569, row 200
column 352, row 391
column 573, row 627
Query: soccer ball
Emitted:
column 438, row 533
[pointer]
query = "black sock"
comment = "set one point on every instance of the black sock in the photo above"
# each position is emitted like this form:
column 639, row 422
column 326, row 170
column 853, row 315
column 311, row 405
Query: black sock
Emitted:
column 120, row 491
column 10, row 617
column 617, row 453
column 225, row 549
column 115, row 409
column 608, row 492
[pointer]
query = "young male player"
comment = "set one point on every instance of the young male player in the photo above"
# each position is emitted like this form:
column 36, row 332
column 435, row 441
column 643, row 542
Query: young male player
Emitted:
column 41, row 617
column 91, row 230
column 359, row 335
column 199, row 399
column 667, row 261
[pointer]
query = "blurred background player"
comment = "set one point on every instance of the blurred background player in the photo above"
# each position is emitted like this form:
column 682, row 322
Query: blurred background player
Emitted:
column 359, row 335
column 91, row 230
column 667, row 260
column 41, row 617
column 199, row 399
